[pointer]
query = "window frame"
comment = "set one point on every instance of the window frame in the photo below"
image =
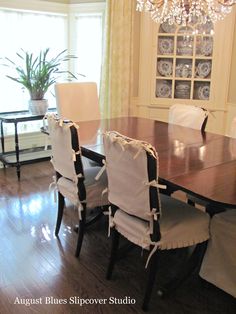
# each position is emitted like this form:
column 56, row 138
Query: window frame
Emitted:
column 71, row 11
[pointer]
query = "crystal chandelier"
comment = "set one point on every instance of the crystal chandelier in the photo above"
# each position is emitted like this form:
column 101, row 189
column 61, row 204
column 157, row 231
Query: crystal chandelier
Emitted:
column 183, row 12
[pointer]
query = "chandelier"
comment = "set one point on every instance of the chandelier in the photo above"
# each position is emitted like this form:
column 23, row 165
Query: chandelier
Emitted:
column 184, row 12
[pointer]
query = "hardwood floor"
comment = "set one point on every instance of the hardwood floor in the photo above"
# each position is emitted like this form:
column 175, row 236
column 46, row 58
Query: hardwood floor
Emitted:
column 37, row 267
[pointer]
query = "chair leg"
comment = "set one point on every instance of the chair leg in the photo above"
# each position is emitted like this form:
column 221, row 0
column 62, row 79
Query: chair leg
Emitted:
column 193, row 266
column 114, row 249
column 81, row 231
column 61, row 204
column 152, row 270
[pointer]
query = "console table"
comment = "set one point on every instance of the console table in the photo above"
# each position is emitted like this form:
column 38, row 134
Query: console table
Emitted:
column 19, row 156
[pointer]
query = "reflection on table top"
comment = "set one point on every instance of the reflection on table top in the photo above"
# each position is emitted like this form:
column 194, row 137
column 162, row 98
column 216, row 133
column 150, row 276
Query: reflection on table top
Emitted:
column 201, row 163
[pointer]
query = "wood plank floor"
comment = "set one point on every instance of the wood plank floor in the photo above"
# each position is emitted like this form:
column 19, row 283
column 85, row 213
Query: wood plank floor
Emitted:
column 36, row 266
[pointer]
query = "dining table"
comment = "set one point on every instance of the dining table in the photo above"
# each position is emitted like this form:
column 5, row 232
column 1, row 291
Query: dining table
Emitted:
column 202, row 164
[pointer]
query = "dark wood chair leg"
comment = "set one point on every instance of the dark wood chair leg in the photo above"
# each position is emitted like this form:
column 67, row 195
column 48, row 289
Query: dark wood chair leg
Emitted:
column 152, row 269
column 81, row 231
column 61, row 204
column 192, row 266
column 114, row 249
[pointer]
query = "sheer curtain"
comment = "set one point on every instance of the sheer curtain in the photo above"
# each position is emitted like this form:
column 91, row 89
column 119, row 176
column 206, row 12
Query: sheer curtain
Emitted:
column 117, row 58
column 32, row 32
column 89, row 28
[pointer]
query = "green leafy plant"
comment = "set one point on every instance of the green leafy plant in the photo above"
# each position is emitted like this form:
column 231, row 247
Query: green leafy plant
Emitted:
column 38, row 73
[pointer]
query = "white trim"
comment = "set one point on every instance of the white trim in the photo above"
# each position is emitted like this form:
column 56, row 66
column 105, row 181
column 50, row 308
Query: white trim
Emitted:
column 35, row 5
column 87, row 7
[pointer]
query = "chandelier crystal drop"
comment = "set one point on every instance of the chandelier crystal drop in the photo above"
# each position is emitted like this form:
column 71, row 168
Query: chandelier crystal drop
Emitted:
column 185, row 12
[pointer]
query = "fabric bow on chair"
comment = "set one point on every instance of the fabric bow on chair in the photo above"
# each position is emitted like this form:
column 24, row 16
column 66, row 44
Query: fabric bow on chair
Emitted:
column 72, row 181
column 138, row 212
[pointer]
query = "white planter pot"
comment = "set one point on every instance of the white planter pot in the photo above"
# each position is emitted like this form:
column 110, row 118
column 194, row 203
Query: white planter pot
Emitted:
column 38, row 107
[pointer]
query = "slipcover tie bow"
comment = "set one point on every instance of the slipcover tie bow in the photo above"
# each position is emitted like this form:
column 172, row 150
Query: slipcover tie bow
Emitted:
column 123, row 141
column 156, row 184
column 110, row 222
column 100, row 172
column 74, row 153
column 154, row 216
column 156, row 246
column 53, row 187
column 80, row 209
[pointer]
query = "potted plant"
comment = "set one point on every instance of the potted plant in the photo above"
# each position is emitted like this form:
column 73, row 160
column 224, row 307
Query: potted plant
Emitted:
column 37, row 74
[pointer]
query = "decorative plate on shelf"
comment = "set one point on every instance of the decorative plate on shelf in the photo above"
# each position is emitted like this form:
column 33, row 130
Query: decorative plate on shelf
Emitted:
column 206, row 28
column 163, row 89
column 207, row 47
column 166, row 45
column 168, row 28
column 203, row 92
column 165, row 67
column 203, row 69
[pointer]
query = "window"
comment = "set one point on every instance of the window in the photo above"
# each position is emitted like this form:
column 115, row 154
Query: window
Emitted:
column 77, row 27
column 33, row 32
column 89, row 46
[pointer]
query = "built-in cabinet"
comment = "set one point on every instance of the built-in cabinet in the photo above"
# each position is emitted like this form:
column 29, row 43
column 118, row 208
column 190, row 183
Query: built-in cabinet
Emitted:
column 186, row 65
column 184, row 61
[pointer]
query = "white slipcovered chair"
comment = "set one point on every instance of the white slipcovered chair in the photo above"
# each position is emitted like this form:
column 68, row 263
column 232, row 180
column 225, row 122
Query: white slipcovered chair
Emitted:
column 72, row 181
column 188, row 116
column 219, row 263
column 139, row 213
column 77, row 101
column 192, row 200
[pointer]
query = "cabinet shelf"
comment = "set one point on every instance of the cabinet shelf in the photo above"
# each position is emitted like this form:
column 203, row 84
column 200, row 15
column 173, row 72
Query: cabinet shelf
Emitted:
column 183, row 63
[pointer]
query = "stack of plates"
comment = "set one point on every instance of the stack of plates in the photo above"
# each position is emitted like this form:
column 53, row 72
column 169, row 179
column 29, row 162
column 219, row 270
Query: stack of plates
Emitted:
column 182, row 90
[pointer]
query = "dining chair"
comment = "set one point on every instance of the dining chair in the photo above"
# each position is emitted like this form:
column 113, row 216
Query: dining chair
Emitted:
column 193, row 200
column 139, row 213
column 72, row 180
column 188, row 116
column 219, row 262
column 77, row 101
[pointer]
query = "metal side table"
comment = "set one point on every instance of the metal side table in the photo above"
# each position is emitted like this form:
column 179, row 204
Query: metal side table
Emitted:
column 19, row 156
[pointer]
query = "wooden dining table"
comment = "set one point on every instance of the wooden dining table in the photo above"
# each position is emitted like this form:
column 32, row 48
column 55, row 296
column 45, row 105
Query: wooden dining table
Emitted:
column 200, row 163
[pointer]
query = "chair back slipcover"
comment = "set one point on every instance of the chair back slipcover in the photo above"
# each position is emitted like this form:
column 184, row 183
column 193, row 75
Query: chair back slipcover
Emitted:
column 129, row 184
column 219, row 263
column 77, row 101
column 138, row 211
column 64, row 155
column 188, row 116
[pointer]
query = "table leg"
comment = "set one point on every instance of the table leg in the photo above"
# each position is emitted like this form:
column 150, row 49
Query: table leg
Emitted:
column 17, row 152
